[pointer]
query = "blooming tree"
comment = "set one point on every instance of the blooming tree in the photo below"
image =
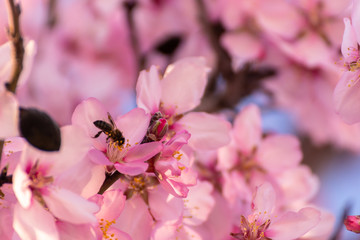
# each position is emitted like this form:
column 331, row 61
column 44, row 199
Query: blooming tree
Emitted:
column 142, row 119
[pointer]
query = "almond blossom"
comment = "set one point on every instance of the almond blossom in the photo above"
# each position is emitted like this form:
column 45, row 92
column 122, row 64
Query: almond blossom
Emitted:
column 41, row 198
column 128, row 158
column 266, row 222
column 177, row 92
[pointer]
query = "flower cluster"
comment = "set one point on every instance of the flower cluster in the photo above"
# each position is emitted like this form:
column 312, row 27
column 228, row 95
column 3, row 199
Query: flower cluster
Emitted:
column 160, row 169
column 130, row 119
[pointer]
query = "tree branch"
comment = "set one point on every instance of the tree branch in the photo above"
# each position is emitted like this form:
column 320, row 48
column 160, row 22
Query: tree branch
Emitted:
column 109, row 180
column 15, row 37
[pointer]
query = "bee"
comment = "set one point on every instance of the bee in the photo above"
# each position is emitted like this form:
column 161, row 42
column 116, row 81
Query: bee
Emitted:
column 110, row 130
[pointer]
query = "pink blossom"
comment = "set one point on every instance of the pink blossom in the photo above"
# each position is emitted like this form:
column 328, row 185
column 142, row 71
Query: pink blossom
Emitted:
column 196, row 209
column 262, row 223
column 37, row 185
column 128, row 158
column 172, row 167
column 155, row 93
column 274, row 154
column 112, row 203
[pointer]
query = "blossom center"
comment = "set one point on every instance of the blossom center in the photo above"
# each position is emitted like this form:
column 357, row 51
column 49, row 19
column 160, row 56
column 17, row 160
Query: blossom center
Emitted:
column 254, row 230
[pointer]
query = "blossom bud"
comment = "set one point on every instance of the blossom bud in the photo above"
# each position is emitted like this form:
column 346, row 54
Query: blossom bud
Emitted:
column 158, row 129
column 352, row 223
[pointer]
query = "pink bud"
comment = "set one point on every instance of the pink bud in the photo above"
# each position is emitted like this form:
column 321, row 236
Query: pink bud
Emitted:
column 157, row 129
column 352, row 223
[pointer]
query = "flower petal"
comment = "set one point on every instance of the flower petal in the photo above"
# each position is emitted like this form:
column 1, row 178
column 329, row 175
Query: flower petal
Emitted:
column 112, row 205
column 134, row 125
column 277, row 153
column 84, row 116
column 347, row 98
column 34, row 223
column 247, row 128
column 148, row 90
column 70, row 207
column 293, row 225
column 207, row 131
column 9, row 115
column 349, row 46
column 183, row 84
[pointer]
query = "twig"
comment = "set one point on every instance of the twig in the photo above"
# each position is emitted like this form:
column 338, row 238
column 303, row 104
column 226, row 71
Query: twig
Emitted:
column 3, row 176
column 1, row 147
column 239, row 84
column 109, row 180
column 130, row 7
column 15, row 37
column 340, row 226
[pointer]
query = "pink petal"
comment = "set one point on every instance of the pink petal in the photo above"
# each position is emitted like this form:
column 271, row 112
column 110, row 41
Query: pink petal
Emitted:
column 175, row 143
column 220, row 221
column 6, row 220
column 200, row 203
column 298, row 184
column 270, row 16
column 243, row 47
column 75, row 231
column 164, row 206
column 133, row 168
column 70, row 207
column 133, row 125
column 148, row 90
column 21, row 188
column 34, row 223
column 165, row 231
column 5, row 64
column 117, row 234
column 143, row 152
column 207, row 131
column 98, row 157
column 264, row 200
column 227, row 157
column 277, row 153
column 247, row 128
column 349, row 46
column 9, row 115
column 324, row 229
column 355, row 18
column 84, row 116
column 73, row 149
column 347, row 97
column 293, row 225
column 183, row 84
column 135, row 219
column 112, row 205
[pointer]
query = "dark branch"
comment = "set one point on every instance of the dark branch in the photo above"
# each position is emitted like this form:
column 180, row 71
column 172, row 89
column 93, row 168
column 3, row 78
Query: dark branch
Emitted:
column 16, row 39
column 109, row 180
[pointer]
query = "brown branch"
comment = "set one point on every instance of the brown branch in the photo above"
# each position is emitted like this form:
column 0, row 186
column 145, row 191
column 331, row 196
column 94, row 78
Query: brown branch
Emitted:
column 15, row 37
column 239, row 84
column 109, row 180
column 2, row 142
